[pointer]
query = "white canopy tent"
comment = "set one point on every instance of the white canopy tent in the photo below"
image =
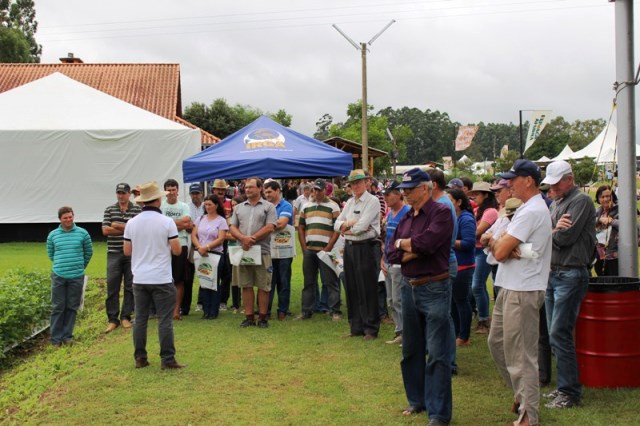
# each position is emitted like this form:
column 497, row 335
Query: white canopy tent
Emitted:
column 602, row 149
column 65, row 143
column 566, row 151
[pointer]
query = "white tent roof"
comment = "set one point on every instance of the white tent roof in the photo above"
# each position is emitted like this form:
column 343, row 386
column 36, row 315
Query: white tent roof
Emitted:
column 65, row 143
column 566, row 151
column 57, row 102
column 602, row 148
column 543, row 159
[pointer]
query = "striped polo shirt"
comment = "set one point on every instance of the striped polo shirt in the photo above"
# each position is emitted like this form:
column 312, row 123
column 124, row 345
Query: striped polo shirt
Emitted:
column 113, row 214
column 318, row 220
column 70, row 251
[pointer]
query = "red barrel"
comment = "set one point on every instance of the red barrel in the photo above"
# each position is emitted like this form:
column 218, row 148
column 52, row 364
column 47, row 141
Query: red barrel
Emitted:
column 608, row 333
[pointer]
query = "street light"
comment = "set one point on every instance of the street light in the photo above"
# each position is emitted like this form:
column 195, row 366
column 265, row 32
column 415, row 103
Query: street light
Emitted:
column 363, row 49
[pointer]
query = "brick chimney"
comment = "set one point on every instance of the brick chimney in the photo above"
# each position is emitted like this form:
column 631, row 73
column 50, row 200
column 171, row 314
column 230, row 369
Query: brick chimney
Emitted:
column 71, row 60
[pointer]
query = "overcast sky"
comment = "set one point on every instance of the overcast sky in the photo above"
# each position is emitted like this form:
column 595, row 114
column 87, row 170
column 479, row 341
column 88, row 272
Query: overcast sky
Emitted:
column 477, row 60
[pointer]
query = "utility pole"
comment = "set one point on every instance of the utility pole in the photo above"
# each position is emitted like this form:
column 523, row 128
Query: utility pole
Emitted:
column 625, row 89
column 363, row 49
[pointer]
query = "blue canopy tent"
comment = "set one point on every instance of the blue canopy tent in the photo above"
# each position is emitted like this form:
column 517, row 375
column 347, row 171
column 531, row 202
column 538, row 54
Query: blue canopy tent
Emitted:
column 265, row 148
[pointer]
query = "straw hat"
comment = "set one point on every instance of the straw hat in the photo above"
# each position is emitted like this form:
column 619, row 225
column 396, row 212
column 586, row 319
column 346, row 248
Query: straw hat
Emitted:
column 510, row 207
column 219, row 183
column 149, row 191
column 356, row 174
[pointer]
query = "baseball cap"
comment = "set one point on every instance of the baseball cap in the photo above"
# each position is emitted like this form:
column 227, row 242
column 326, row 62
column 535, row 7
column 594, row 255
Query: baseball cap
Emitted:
column 123, row 187
column 195, row 187
column 455, row 183
column 502, row 183
column 555, row 171
column 393, row 186
column 523, row 168
column 320, row 184
column 413, row 178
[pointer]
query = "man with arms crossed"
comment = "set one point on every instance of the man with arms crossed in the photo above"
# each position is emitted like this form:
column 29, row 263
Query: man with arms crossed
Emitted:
column 514, row 333
column 150, row 239
column 115, row 219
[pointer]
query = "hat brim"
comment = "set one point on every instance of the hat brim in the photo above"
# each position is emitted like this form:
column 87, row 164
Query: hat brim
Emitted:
column 356, row 178
column 151, row 197
column 408, row 185
column 497, row 188
column 551, row 180
column 508, row 175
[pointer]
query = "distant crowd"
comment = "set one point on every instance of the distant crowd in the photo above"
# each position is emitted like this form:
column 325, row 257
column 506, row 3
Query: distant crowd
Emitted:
column 414, row 253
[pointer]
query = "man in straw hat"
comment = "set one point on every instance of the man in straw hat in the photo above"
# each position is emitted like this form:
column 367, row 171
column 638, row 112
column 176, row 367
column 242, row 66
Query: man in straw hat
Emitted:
column 150, row 239
column 359, row 222
column 514, row 334
column 421, row 244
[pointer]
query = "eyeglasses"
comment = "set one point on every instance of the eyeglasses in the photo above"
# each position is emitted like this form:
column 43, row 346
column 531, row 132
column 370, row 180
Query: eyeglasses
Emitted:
column 409, row 190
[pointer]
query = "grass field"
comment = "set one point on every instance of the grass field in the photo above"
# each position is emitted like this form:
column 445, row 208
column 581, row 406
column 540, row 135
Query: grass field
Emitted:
column 294, row 373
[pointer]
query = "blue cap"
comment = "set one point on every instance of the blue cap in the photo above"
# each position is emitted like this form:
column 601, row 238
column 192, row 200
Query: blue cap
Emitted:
column 455, row 183
column 393, row 186
column 195, row 187
column 523, row 168
column 413, row 178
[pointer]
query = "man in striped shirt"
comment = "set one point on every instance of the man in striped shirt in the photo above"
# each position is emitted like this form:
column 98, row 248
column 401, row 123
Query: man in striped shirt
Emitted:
column 315, row 231
column 69, row 248
column 115, row 219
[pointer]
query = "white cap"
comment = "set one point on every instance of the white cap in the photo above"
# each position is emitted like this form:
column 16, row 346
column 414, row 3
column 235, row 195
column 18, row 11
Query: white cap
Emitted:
column 555, row 171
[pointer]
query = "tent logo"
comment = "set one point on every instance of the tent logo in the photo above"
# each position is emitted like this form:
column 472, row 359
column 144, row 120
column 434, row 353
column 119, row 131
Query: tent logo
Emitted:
column 264, row 138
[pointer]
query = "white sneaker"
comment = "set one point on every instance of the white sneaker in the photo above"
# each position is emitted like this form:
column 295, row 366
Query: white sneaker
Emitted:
column 395, row 341
column 223, row 306
column 198, row 308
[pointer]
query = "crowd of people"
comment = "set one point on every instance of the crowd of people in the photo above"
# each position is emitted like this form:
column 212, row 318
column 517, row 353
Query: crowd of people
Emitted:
column 416, row 253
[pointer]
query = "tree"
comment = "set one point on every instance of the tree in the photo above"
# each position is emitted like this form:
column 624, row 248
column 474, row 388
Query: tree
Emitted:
column 322, row 127
column 584, row 171
column 20, row 15
column 222, row 120
column 503, row 164
column 583, row 132
column 14, row 47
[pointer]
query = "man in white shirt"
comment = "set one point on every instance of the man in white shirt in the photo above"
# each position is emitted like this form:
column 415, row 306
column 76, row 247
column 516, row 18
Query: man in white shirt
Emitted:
column 150, row 239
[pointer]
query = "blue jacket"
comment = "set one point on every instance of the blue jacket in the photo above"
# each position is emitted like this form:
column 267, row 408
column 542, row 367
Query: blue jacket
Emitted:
column 467, row 236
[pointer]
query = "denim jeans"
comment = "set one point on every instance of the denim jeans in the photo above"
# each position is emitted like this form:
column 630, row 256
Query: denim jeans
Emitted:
column 311, row 264
column 392, row 282
column 427, row 347
column 479, row 284
column 118, row 272
column 460, row 306
column 163, row 296
column 564, row 296
column 66, row 294
column 281, row 282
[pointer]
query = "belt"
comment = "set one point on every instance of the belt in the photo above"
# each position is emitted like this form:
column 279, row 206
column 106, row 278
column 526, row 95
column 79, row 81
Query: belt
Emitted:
column 369, row 241
column 417, row 282
column 565, row 268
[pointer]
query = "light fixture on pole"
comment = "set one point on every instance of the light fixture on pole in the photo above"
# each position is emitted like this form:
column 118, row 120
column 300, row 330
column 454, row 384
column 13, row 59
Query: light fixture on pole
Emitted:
column 363, row 49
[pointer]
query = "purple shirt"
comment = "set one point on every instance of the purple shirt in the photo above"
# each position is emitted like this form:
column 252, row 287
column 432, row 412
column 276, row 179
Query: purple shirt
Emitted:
column 430, row 231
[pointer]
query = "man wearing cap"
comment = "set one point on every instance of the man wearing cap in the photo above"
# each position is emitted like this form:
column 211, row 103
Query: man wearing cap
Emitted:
column 316, row 233
column 421, row 244
column 196, row 209
column 281, row 276
column 114, row 221
column 359, row 222
column 251, row 224
column 180, row 213
column 572, row 214
column 514, row 333
column 150, row 239
column 393, row 275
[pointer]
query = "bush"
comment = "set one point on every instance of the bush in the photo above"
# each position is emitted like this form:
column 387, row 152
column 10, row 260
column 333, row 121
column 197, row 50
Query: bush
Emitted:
column 25, row 303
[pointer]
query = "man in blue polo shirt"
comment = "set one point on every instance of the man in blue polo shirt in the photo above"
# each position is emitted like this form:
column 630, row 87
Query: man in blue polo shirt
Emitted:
column 283, row 237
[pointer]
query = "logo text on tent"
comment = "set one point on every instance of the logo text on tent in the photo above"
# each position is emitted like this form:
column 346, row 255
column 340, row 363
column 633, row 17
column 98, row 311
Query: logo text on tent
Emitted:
column 264, row 138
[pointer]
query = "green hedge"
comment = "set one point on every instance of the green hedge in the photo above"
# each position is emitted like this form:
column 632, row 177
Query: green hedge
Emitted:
column 25, row 303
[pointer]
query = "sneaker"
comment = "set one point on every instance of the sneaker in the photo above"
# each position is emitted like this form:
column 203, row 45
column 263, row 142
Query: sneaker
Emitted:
column 336, row 316
column 263, row 324
column 483, row 327
column 562, row 401
column 395, row 341
column 247, row 323
column 551, row 395
column 304, row 316
column 198, row 307
column 223, row 306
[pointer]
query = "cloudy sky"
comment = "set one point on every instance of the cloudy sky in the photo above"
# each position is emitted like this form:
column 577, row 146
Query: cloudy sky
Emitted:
column 478, row 60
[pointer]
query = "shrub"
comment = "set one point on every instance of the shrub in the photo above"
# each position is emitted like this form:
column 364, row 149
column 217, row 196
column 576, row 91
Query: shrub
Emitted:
column 25, row 303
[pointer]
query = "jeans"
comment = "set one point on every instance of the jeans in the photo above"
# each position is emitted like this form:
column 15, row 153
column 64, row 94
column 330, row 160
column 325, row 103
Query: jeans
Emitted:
column 66, row 294
column 392, row 281
column 119, row 270
column 460, row 306
column 311, row 264
column 211, row 298
column 479, row 284
column 564, row 296
column 322, row 299
column 190, row 274
column 427, row 347
column 281, row 282
column 163, row 297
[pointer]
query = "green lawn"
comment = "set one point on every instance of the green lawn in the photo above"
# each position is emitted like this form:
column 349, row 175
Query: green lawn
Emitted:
column 294, row 373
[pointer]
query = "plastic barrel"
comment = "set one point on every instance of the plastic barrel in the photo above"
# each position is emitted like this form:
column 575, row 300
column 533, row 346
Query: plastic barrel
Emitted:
column 608, row 333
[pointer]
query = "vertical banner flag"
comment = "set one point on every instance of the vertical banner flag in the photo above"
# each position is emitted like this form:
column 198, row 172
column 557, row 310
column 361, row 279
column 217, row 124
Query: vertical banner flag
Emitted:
column 465, row 135
column 447, row 162
column 504, row 152
column 539, row 119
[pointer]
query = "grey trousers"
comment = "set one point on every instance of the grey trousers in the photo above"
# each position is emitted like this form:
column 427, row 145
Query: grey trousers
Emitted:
column 163, row 296
column 119, row 272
